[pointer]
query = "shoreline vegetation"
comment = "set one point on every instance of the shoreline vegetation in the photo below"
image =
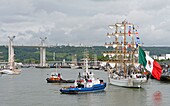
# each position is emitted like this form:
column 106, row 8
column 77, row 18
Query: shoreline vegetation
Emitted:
column 58, row 53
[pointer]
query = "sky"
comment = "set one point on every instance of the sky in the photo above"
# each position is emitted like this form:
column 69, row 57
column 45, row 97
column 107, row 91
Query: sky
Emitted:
column 83, row 22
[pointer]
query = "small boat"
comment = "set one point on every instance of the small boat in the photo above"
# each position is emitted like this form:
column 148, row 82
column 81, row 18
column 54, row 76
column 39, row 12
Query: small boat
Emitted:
column 57, row 78
column 74, row 66
column 10, row 71
column 165, row 76
column 85, row 84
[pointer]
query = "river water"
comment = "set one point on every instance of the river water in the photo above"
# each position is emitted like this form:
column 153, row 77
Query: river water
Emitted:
column 31, row 89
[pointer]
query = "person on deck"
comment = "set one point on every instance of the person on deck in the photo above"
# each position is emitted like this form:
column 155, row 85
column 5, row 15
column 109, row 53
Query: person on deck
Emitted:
column 59, row 76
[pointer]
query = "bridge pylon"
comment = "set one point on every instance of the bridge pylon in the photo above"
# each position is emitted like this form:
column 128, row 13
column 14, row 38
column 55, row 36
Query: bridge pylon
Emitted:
column 43, row 53
column 11, row 52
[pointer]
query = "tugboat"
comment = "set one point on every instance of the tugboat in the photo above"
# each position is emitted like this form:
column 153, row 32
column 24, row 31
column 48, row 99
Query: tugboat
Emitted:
column 57, row 78
column 85, row 84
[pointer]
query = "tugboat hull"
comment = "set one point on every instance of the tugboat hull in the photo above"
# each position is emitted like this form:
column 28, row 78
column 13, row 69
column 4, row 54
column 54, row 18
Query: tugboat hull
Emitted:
column 76, row 90
column 59, row 81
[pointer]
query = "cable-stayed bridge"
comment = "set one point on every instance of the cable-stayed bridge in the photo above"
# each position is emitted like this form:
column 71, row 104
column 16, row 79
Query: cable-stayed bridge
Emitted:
column 42, row 47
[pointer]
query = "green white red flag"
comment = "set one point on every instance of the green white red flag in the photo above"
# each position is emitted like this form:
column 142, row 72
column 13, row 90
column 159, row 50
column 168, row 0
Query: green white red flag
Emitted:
column 150, row 64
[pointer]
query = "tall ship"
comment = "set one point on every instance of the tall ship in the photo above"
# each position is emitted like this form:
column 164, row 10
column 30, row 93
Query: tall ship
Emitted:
column 123, row 64
column 74, row 64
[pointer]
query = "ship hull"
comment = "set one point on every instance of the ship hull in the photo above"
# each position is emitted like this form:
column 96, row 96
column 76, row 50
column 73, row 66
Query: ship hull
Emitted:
column 76, row 90
column 11, row 72
column 165, row 77
column 59, row 81
column 128, row 83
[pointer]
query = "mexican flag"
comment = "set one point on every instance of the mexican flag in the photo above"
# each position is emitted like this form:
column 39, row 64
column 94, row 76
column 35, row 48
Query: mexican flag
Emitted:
column 150, row 64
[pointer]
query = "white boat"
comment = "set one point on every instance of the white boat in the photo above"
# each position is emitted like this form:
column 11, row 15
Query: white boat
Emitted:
column 11, row 72
column 5, row 71
column 131, row 81
column 124, row 72
column 74, row 66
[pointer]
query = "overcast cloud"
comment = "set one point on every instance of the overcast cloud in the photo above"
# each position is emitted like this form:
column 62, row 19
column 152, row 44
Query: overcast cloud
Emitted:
column 81, row 21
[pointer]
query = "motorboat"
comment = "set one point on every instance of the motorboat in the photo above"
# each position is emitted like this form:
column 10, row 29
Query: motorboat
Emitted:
column 57, row 78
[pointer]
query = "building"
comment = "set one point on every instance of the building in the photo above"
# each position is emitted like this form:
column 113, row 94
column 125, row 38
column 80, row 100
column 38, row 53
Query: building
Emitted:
column 162, row 57
column 154, row 56
column 167, row 56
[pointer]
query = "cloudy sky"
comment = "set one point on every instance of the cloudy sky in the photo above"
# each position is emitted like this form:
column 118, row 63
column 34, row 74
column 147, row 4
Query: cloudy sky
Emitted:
column 81, row 21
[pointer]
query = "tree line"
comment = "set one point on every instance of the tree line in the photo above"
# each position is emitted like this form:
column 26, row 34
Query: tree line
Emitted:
column 58, row 53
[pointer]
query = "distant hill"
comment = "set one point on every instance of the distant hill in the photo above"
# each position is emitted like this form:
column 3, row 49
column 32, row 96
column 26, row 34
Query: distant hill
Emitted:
column 31, row 55
column 157, row 50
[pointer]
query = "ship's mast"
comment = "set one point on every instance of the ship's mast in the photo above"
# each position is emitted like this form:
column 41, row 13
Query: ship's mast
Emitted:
column 124, row 48
column 133, row 50
column 86, row 56
column 116, row 42
column 120, row 52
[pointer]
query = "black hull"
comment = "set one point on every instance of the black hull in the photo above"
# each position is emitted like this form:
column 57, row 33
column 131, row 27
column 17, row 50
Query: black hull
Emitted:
column 65, row 67
column 59, row 81
column 165, row 78
column 42, row 67
column 53, row 67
